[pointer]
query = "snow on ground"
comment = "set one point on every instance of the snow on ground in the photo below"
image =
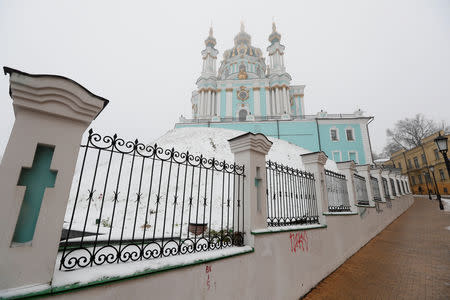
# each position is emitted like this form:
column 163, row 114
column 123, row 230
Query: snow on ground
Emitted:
column 446, row 202
column 136, row 208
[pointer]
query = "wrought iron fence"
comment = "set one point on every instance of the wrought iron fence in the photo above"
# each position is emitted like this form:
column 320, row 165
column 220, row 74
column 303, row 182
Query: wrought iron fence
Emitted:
column 291, row 196
column 134, row 201
column 375, row 188
column 386, row 189
column 394, row 193
column 361, row 190
column 337, row 192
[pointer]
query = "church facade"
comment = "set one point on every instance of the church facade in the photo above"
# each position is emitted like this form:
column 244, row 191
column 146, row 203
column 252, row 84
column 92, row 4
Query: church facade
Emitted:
column 247, row 94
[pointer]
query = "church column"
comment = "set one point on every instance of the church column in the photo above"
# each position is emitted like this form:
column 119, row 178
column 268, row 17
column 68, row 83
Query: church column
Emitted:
column 200, row 104
column 256, row 102
column 208, row 103
column 272, row 100
column 286, row 101
column 229, row 98
column 218, row 103
column 279, row 101
column 267, row 96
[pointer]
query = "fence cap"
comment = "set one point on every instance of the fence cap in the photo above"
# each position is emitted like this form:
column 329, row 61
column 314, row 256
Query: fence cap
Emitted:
column 54, row 94
column 363, row 168
column 314, row 157
column 344, row 165
column 250, row 141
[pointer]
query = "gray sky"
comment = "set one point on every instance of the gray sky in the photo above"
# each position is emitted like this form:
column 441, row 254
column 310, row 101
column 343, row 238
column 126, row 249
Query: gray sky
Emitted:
column 389, row 58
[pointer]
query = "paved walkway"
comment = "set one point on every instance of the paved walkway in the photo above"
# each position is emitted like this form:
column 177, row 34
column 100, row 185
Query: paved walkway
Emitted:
column 410, row 259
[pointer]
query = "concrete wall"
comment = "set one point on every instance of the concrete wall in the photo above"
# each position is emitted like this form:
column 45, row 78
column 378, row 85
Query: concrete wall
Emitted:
column 284, row 265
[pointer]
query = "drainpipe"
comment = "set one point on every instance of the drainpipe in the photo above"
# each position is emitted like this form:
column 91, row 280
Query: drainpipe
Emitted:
column 318, row 134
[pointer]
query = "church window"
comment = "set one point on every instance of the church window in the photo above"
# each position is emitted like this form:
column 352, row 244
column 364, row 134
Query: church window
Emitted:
column 353, row 155
column 334, row 134
column 350, row 135
column 337, row 157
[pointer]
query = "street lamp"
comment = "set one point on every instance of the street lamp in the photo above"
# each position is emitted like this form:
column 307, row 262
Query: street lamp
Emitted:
column 426, row 181
column 441, row 143
column 441, row 206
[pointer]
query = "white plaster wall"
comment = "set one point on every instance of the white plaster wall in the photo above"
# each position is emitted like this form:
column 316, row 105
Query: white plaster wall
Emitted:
column 272, row 271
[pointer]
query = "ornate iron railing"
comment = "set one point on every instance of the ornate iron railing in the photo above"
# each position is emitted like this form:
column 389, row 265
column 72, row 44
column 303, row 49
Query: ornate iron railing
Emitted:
column 362, row 197
column 337, row 192
column 375, row 188
column 394, row 193
column 134, row 201
column 291, row 196
column 385, row 188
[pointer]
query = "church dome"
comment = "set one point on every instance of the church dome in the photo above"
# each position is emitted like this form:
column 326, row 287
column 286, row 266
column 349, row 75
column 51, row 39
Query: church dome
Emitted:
column 242, row 46
column 274, row 36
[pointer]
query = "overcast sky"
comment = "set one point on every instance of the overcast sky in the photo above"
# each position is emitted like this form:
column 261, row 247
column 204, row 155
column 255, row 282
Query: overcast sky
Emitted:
column 389, row 58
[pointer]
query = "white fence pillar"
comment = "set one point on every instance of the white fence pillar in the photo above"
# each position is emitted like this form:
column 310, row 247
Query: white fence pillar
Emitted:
column 397, row 187
column 386, row 174
column 348, row 168
column 51, row 115
column 250, row 150
column 315, row 163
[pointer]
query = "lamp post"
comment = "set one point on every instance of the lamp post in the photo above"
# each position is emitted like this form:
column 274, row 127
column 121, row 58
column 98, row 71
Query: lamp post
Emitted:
column 426, row 181
column 441, row 143
column 441, row 206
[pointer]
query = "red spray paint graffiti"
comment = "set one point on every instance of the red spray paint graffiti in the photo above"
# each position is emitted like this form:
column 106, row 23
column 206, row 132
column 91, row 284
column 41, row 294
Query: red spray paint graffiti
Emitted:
column 299, row 241
column 208, row 280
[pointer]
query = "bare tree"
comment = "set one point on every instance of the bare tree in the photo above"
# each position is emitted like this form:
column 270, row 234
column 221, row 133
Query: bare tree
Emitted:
column 408, row 133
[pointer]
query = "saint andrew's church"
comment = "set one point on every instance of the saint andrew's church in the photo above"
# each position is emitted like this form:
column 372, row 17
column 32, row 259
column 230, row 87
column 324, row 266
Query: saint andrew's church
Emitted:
column 247, row 94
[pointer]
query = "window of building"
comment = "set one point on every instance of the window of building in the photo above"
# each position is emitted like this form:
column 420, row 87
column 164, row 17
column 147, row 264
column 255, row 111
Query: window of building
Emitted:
column 436, row 154
column 416, row 163
column 441, row 173
column 353, row 155
column 424, row 159
column 334, row 134
column 400, row 165
column 413, row 179
column 350, row 134
column 428, row 177
column 420, row 178
column 445, row 191
column 337, row 156
column 409, row 164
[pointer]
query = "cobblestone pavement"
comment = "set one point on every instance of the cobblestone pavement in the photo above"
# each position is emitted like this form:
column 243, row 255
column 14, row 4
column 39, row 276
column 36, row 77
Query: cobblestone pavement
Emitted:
column 410, row 259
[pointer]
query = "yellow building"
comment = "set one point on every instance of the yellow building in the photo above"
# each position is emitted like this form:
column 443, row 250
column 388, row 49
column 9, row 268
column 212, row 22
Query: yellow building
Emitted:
column 416, row 164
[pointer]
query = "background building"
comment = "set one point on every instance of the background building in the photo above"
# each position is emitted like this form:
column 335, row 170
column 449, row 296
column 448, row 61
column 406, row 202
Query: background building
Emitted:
column 416, row 163
column 246, row 94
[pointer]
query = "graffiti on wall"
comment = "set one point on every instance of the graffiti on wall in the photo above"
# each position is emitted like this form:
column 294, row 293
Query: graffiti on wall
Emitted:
column 299, row 241
column 210, row 282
